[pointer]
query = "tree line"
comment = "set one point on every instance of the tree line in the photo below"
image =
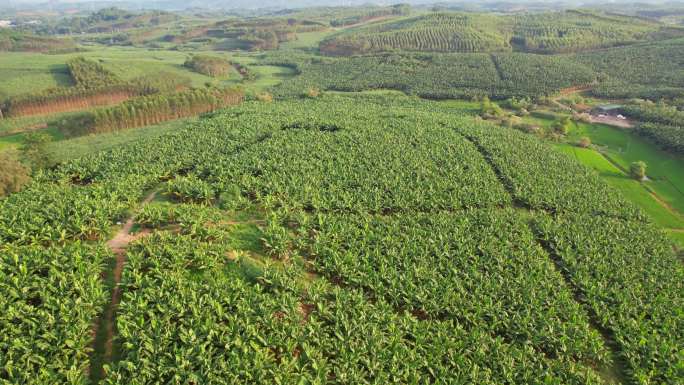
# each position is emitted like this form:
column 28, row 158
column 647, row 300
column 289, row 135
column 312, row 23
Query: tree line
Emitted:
column 151, row 109
column 94, row 86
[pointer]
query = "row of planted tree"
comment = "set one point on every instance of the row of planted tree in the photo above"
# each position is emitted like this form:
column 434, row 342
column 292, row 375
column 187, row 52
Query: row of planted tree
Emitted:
column 151, row 109
column 93, row 86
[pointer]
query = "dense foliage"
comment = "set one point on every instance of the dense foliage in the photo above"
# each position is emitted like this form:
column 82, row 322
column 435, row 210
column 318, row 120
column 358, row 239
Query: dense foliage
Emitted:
column 397, row 242
column 13, row 174
column 551, row 32
column 93, row 86
column 89, row 74
column 208, row 65
column 148, row 110
column 661, row 123
column 248, row 34
column 650, row 70
column 436, row 75
column 105, row 20
column 669, row 137
column 368, row 14
column 50, row 296
column 634, row 283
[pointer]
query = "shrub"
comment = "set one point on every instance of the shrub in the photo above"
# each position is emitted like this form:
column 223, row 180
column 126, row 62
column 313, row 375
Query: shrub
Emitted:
column 264, row 97
column 208, row 65
column 584, row 142
column 638, row 170
column 312, row 92
column 562, row 126
column 34, row 150
column 13, row 174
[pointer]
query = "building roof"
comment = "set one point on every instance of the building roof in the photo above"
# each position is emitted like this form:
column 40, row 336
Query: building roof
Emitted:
column 609, row 107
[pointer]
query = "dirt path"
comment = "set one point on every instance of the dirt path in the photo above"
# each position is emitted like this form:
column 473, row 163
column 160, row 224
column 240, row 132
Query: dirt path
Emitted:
column 612, row 121
column 104, row 329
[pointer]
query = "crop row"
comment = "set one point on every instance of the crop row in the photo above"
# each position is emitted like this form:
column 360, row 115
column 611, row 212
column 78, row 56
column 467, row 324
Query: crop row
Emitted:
column 437, row 76
column 539, row 178
column 402, row 257
column 362, row 164
column 50, row 296
column 633, row 281
column 550, row 32
column 272, row 328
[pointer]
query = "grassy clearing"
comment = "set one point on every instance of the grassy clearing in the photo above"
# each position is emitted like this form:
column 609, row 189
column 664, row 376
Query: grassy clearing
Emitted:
column 665, row 170
column 22, row 72
column 15, row 140
column 631, row 189
column 621, row 147
column 74, row 148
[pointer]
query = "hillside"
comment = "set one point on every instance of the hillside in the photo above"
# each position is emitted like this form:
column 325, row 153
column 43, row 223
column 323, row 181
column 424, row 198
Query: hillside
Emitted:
column 647, row 70
column 110, row 19
column 24, row 42
column 551, row 32
column 247, row 270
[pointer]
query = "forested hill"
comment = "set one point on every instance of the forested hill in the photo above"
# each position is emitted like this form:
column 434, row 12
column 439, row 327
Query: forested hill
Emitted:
column 551, row 32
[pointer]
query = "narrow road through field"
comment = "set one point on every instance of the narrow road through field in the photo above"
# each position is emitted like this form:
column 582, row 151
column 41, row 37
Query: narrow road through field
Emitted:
column 105, row 326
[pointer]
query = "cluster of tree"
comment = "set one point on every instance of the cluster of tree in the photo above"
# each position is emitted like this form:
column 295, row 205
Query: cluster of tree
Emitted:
column 670, row 137
column 435, row 32
column 104, row 20
column 435, row 76
column 659, row 122
column 19, row 41
column 66, row 99
column 16, row 166
column 251, row 34
column 651, row 71
column 95, row 86
column 13, row 174
column 89, row 74
column 651, row 112
column 151, row 109
column 208, row 65
column 262, row 40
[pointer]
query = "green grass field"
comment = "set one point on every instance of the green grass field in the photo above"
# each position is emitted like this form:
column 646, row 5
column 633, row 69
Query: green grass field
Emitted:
column 665, row 170
column 631, row 189
column 22, row 72
column 15, row 140
column 307, row 40
column 61, row 151
column 267, row 76
column 661, row 197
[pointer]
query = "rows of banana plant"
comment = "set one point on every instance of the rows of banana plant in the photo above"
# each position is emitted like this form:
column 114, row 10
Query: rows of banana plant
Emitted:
column 400, row 257
column 363, row 165
column 462, row 267
column 633, row 281
column 50, row 296
column 192, row 315
column 540, row 178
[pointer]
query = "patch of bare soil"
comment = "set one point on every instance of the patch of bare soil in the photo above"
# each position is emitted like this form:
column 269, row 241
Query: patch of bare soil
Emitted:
column 104, row 347
column 611, row 121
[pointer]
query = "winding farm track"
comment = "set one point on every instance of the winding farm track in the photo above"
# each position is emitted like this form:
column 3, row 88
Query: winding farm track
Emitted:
column 105, row 326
